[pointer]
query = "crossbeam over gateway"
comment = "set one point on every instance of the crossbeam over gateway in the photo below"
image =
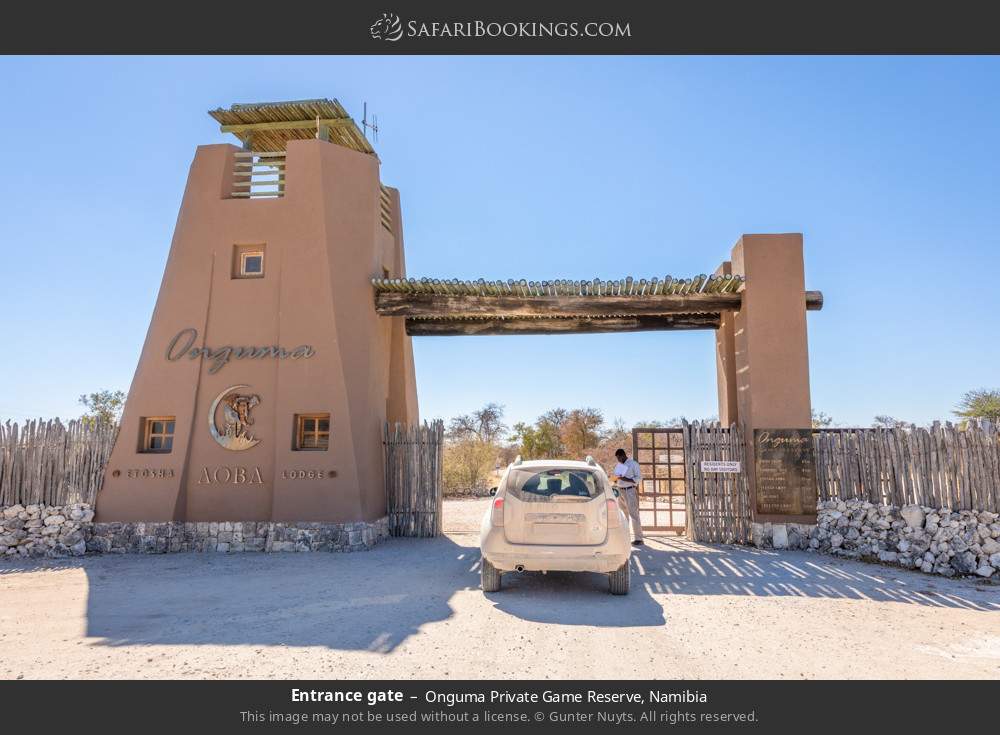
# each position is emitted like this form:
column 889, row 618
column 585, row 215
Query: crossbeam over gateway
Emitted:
column 443, row 307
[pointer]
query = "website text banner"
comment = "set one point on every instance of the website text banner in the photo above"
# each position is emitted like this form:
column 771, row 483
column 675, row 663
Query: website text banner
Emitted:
column 512, row 27
column 518, row 706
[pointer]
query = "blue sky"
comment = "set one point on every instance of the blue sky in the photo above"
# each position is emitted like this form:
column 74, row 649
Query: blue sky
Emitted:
column 572, row 167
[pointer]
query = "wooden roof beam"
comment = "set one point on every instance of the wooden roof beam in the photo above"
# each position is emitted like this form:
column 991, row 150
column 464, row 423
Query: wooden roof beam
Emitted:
column 459, row 306
column 339, row 122
column 573, row 325
column 447, row 305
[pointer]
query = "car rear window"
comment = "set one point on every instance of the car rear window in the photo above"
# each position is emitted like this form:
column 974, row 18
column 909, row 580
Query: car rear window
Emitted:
column 540, row 486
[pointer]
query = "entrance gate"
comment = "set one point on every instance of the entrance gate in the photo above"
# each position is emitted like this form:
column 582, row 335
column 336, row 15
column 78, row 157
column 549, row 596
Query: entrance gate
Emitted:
column 680, row 493
column 677, row 496
column 662, row 497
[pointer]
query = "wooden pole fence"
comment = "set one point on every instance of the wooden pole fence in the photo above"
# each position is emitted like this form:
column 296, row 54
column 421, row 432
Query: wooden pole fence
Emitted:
column 51, row 463
column 941, row 466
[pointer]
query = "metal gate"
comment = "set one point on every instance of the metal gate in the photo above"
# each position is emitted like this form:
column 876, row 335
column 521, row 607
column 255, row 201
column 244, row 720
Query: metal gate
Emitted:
column 663, row 495
column 678, row 496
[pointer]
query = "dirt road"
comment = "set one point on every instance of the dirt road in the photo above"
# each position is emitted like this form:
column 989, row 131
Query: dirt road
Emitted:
column 412, row 608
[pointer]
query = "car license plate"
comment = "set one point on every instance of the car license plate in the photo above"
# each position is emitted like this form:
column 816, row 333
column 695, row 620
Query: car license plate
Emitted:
column 555, row 518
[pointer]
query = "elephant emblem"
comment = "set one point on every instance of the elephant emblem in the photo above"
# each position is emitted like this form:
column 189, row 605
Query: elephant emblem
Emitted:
column 236, row 411
column 237, row 418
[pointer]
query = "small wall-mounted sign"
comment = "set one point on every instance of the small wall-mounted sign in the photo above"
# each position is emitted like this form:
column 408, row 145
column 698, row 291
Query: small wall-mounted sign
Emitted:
column 307, row 474
column 785, row 471
column 145, row 473
column 718, row 466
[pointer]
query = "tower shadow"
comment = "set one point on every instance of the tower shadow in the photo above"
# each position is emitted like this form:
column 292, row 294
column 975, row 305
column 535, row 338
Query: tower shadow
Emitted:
column 360, row 601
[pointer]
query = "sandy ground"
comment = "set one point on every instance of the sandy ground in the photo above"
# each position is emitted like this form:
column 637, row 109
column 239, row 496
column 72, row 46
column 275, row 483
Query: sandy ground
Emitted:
column 412, row 609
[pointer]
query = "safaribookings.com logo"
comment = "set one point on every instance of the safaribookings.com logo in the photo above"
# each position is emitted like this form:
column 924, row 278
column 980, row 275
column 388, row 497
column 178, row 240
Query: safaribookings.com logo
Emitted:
column 387, row 28
column 390, row 28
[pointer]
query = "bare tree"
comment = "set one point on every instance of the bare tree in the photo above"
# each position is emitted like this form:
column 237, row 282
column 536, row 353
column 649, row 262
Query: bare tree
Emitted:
column 821, row 420
column 888, row 422
column 473, row 448
column 485, row 425
column 582, row 430
column 556, row 417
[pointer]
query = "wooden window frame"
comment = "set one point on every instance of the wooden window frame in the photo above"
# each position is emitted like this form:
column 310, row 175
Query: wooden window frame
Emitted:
column 240, row 255
column 300, row 433
column 145, row 441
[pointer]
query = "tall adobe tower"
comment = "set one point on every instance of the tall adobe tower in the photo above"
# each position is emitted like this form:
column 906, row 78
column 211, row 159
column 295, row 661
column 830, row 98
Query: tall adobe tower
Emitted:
column 266, row 375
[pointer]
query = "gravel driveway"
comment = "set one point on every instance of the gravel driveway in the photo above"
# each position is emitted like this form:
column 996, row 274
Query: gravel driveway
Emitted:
column 412, row 608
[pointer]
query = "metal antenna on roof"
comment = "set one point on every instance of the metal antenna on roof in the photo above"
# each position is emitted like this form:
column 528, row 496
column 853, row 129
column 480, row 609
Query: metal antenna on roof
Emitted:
column 373, row 125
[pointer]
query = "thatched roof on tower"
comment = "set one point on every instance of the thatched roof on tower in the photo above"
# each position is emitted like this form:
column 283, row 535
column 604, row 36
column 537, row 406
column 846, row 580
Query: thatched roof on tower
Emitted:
column 268, row 126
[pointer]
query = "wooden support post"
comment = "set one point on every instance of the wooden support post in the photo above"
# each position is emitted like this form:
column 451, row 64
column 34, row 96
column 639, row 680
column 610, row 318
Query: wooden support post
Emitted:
column 725, row 358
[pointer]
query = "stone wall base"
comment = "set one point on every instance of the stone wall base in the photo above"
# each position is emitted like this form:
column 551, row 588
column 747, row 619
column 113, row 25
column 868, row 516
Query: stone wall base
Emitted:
column 54, row 531
column 781, row 535
column 933, row 540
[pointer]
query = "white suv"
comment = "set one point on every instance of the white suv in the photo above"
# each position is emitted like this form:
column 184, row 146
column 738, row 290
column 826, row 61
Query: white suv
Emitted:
column 555, row 515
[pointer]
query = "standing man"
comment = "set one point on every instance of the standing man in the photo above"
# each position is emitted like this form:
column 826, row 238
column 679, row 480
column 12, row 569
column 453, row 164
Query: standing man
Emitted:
column 627, row 479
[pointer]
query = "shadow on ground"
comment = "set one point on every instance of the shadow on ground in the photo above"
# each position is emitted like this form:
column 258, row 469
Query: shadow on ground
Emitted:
column 360, row 601
column 565, row 598
column 675, row 566
column 373, row 601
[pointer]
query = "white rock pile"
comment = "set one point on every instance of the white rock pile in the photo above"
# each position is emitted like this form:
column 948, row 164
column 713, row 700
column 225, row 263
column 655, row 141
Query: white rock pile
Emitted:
column 934, row 540
column 45, row 530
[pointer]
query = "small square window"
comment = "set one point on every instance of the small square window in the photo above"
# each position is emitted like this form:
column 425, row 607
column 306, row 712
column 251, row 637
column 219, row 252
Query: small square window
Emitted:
column 157, row 435
column 253, row 264
column 248, row 261
column 312, row 432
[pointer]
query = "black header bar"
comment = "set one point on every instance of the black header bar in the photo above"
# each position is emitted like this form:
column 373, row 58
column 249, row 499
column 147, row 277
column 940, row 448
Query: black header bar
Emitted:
column 509, row 27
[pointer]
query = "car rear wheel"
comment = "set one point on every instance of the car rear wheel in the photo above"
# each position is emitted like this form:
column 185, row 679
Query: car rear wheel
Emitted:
column 619, row 580
column 490, row 576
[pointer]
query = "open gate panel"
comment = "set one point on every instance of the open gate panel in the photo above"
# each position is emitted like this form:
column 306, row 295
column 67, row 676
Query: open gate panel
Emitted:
column 662, row 496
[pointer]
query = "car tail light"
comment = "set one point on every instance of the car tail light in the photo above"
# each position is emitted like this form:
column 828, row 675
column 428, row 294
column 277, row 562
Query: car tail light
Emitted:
column 613, row 518
column 497, row 519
